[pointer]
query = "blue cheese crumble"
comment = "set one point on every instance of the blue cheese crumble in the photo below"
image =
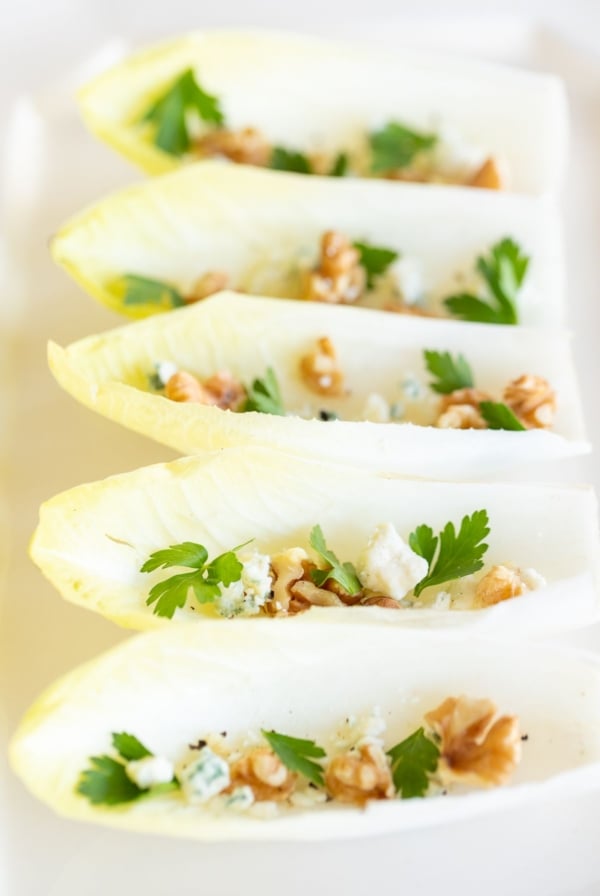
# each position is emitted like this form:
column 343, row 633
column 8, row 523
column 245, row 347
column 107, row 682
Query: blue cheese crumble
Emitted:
column 204, row 777
column 249, row 594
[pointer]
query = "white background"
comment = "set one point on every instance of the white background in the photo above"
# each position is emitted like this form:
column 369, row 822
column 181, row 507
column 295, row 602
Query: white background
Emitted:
column 51, row 167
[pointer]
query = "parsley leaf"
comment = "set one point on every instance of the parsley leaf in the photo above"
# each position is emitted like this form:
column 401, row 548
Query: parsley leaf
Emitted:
column 106, row 783
column 503, row 271
column 188, row 553
column 499, row 416
column 169, row 113
column 129, row 747
column 458, row 555
column 204, row 581
column 340, row 165
column 264, row 395
column 412, row 759
column 342, row 573
column 451, row 373
column 294, row 753
column 136, row 290
column 283, row 159
column 395, row 146
column 375, row 260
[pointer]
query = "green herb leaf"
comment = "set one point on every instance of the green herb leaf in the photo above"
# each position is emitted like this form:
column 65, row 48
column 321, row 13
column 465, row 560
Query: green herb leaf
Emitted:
column 499, row 416
column 423, row 542
column 106, row 783
column 395, row 146
column 264, row 396
column 169, row 113
column 136, row 290
column 375, row 260
column 294, row 752
column 503, row 272
column 342, row 573
column 129, row 747
column 340, row 166
column 283, row 159
column 451, row 373
column 412, row 760
column 204, row 581
column 458, row 555
column 188, row 553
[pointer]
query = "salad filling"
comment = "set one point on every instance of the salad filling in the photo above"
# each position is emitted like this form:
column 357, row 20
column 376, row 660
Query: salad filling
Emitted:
column 185, row 120
column 354, row 272
column 462, row 743
column 388, row 572
column 450, row 400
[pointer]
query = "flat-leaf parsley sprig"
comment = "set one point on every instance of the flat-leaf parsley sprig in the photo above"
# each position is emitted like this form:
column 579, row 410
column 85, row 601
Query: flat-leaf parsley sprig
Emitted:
column 107, row 782
column 503, row 272
column 298, row 755
column 451, row 555
column 168, row 114
column 342, row 573
column 203, row 581
column 413, row 760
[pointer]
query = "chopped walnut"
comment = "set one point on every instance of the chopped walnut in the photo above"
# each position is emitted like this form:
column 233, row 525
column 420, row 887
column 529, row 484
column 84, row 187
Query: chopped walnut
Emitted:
column 317, row 597
column 183, row 386
column 359, row 776
column 461, row 416
column 533, row 400
column 246, row 147
column 380, row 600
column 207, row 285
column 500, row 583
column 221, row 390
column 287, row 569
column 339, row 278
column 264, row 772
column 488, row 176
column 320, row 370
column 227, row 392
column 476, row 746
column 469, row 396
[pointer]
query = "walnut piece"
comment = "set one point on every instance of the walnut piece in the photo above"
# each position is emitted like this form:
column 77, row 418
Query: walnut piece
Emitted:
column 488, row 176
column 460, row 409
column 461, row 416
column 315, row 596
column 470, row 396
column 220, row 390
column 339, row 278
column 207, row 285
column 320, row 370
column 287, row 569
column 477, row 746
column 246, row 147
column 381, row 600
column 183, row 386
column 264, row 772
column 500, row 583
column 533, row 400
column 359, row 776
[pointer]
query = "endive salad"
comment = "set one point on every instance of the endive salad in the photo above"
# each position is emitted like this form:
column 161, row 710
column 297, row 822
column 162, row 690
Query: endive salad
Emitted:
column 179, row 238
column 253, row 532
column 236, row 369
column 403, row 116
column 262, row 731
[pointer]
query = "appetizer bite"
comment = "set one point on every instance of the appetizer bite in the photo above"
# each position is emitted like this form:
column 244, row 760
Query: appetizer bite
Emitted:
column 311, row 378
column 438, row 253
column 239, row 731
column 253, row 532
column 213, row 95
